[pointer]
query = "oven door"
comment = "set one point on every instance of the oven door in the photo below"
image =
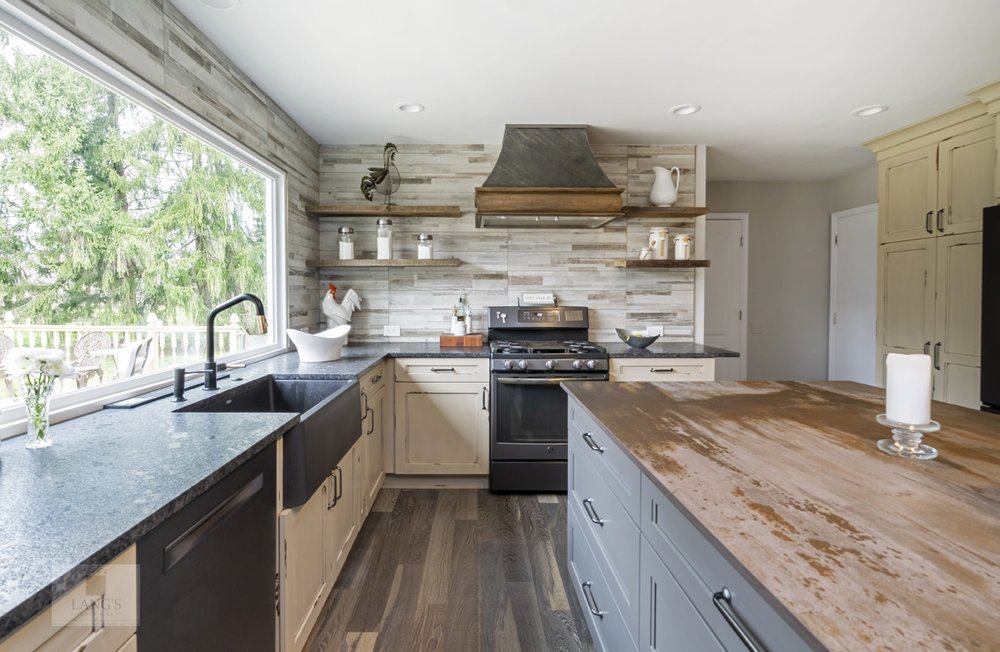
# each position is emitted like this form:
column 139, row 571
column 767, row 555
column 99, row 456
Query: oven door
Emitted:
column 528, row 417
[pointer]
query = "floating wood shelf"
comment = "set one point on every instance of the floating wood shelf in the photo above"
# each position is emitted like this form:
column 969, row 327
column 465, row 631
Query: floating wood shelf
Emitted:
column 668, row 264
column 395, row 262
column 381, row 210
column 673, row 211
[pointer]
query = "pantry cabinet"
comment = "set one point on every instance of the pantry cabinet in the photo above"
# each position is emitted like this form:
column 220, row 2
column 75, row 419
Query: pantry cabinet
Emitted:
column 935, row 178
column 442, row 416
column 374, row 410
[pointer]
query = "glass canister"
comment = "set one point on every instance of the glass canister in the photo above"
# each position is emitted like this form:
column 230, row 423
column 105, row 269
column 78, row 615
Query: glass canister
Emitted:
column 425, row 246
column 683, row 247
column 346, row 242
column 383, row 242
column 659, row 243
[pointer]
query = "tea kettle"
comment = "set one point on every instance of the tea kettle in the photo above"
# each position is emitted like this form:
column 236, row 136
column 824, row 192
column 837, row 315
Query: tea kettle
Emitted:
column 664, row 190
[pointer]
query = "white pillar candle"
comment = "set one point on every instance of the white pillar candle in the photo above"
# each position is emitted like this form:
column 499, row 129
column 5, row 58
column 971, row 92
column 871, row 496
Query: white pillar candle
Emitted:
column 908, row 388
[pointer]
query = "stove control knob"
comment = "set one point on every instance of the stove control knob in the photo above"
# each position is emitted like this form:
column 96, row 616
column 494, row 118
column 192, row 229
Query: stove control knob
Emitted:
column 591, row 364
column 522, row 364
column 508, row 364
column 577, row 364
column 550, row 364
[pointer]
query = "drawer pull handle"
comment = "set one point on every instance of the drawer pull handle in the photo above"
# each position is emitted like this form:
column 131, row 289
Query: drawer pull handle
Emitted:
column 664, row 370
column 375, row 379
column 588, row 506
column 723, row 601
column 591, row 603
column 589, row 438
column 441, row 370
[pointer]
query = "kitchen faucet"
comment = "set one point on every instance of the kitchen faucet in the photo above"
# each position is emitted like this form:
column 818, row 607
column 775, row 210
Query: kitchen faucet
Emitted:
column 212, row 369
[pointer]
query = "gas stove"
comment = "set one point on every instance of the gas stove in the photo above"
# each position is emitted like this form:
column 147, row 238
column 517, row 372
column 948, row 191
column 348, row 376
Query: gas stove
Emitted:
column 543, row 355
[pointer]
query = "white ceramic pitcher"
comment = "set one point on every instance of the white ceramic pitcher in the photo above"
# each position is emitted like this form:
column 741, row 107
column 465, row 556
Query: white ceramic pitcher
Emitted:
column 664, row 191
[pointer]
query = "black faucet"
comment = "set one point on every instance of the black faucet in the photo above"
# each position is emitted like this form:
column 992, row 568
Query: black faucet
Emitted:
column 211, row 368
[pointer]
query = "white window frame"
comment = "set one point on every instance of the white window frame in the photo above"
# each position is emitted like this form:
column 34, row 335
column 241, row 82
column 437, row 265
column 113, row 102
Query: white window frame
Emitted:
column 30, row 25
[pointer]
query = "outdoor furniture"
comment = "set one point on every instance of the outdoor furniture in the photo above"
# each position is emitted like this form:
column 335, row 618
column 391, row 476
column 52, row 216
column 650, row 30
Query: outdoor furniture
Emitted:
column 88, row 357
column 6, row 344
column 135, row 358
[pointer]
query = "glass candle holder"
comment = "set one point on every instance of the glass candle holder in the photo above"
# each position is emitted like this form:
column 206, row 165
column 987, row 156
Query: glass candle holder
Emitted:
column 906, row 439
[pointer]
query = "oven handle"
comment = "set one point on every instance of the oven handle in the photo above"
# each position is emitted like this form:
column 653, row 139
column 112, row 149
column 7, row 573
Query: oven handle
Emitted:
column 549, row 380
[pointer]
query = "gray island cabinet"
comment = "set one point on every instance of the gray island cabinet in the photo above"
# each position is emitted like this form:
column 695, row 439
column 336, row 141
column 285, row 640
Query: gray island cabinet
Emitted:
column 762, row 516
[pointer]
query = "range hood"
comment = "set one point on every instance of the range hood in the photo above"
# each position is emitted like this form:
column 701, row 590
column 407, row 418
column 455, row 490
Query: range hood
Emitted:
column 546, row 177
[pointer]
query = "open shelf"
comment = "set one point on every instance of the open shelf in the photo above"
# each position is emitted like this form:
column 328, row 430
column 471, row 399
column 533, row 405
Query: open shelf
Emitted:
column 662, row 264
column 381, row 210
column 672, row 211
column 394, row 262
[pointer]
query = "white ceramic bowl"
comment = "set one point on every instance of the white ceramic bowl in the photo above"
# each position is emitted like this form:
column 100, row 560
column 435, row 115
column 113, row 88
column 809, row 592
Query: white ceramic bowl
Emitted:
column 321, row 347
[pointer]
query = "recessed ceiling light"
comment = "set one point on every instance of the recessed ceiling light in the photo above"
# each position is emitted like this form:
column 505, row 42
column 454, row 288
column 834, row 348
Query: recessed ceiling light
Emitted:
column 685, row 109
column 222, row 5
column 410, row 107
column 865, row 111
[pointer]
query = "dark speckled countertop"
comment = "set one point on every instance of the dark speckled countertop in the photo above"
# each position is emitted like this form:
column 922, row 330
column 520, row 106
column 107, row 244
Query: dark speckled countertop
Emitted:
column 667, row 350
column 113, row 475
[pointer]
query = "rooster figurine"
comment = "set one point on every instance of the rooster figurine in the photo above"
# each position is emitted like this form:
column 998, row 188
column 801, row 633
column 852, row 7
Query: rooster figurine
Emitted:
column 338, row 314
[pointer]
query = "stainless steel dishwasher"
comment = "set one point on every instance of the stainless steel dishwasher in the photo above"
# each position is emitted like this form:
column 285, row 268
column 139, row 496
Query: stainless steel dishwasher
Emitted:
column 207, row 573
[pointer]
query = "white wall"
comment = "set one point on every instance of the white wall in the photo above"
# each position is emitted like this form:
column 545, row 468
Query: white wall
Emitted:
column 789, row 280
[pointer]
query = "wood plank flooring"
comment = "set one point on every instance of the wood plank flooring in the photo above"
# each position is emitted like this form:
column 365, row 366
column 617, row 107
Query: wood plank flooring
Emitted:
column 456, row 570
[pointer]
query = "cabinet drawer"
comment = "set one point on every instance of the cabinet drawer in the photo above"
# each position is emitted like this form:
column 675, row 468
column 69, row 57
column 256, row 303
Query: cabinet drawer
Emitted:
column 662, row 369
column 611, row 462
column 612, row 534
column 442, row 370
column 372, row 382
column 607, row 626
column 702, row 572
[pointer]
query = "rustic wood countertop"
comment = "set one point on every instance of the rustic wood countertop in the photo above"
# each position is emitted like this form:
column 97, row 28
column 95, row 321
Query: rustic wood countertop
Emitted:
column 866, row 550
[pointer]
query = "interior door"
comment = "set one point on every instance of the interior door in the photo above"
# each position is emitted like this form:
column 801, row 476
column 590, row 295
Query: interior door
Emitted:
column 726, row 291
column 853, row 294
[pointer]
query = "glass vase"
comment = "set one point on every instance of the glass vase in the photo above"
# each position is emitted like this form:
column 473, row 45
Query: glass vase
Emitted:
column 36, row 392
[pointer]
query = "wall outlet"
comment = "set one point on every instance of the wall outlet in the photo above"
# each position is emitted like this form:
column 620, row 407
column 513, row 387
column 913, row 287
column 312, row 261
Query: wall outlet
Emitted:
column 654, row 330
column 390, row 330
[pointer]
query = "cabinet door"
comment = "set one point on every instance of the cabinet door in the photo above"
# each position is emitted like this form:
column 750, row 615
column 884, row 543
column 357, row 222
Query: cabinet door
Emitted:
column 965, row 181
column 907, row 302
column 908, row 195
column 374, row 431
column 442, row 428
column 667, row 619
column 303, row 563
column 342, row 511
column 959, row 318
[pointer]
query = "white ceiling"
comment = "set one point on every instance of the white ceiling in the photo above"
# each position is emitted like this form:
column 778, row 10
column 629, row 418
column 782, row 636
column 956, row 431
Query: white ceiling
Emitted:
column 776, row 78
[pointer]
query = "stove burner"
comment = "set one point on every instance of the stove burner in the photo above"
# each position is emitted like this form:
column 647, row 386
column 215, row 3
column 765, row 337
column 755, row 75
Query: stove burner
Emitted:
column 544, row 347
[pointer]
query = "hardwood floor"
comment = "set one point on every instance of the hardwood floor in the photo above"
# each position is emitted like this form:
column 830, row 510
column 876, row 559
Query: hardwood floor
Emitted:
column 456, row 571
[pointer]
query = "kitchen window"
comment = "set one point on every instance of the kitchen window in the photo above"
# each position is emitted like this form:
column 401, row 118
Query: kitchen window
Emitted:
column 123, row 220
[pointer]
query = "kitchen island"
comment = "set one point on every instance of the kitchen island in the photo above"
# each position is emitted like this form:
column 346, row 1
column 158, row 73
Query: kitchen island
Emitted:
column 853, row 549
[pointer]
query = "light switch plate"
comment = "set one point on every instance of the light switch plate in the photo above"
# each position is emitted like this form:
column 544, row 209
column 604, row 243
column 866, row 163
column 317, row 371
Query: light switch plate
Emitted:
column 654, row 330
column 390, row 330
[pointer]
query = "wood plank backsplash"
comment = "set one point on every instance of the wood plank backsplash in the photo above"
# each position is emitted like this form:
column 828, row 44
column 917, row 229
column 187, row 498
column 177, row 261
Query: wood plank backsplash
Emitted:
column 500, row 264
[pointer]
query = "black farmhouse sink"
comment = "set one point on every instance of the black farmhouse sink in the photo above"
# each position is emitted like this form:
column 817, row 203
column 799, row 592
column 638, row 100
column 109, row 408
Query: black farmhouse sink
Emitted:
column 329, row 424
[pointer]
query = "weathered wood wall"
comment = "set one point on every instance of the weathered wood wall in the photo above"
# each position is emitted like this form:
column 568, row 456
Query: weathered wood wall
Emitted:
column 500, row 264
column 153, row 40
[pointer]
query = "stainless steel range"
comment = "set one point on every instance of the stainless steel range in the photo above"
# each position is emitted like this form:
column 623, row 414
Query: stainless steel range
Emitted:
column 532, row 350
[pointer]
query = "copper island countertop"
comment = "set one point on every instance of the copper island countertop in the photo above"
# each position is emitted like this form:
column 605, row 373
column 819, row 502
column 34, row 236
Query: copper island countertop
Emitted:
column 866, row 550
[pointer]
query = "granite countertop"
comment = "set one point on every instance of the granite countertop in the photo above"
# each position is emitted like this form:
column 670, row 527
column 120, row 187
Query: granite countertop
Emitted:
column 866, row 550
column 667, row 350
column 113, row 475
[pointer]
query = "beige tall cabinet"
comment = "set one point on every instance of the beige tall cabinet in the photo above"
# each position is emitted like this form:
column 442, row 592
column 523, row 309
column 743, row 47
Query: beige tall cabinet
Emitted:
column 935, row 178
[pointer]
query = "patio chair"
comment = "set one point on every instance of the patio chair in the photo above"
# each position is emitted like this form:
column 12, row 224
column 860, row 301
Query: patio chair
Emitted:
column 6, row 344
column 86, row 361
column 138, row 353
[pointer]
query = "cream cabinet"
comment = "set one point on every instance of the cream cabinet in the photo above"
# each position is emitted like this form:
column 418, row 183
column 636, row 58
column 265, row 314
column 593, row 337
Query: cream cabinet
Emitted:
column 314, row 541
column 937, row 189
column 662, row 369
column 98, row 615
column 374, row 407
column 958, row 319
column 442, row 424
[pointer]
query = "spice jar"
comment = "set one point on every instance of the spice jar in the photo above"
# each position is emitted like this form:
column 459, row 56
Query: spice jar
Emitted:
column 659, row 243
column 346, row 243
column 383, row 242
column 682, row 247
column 425, row 246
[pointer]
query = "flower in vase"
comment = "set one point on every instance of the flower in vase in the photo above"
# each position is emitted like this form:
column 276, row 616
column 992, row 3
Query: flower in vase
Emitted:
column 35, row 371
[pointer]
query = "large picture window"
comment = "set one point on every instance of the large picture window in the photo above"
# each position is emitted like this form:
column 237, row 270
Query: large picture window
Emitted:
column 119, row 230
